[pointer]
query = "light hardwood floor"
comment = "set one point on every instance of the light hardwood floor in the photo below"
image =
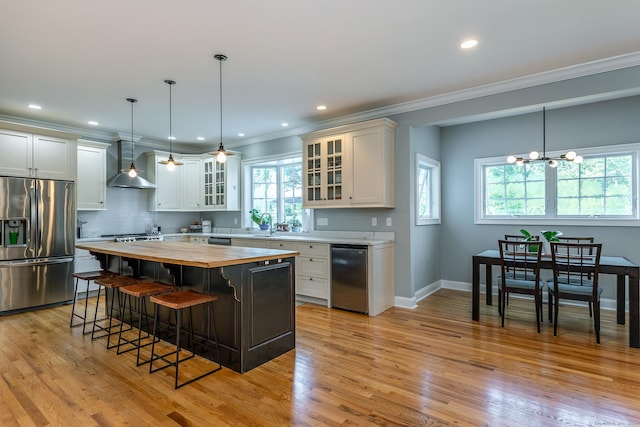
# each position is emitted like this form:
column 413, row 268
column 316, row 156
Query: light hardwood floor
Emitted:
column 428, row 366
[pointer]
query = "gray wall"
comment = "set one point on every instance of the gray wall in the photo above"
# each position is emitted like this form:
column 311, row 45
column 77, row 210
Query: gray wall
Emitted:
column 598, row 124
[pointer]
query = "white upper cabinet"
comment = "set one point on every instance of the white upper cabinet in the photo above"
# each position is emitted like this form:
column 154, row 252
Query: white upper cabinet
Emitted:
column 191, row 185
column 37, row 155
column 220, row 183
column 350, row 166
column 168, row 192
column 200, row 184
column 91, row 186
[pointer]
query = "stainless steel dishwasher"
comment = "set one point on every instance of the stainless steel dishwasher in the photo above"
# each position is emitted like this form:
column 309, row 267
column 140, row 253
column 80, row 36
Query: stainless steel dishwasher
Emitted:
column 349, row 277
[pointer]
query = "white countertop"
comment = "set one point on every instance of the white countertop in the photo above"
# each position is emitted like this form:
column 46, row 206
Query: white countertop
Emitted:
column 352, row 238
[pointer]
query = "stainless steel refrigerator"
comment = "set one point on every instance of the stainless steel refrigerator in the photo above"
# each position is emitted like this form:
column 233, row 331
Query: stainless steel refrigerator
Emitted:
column 37, row 243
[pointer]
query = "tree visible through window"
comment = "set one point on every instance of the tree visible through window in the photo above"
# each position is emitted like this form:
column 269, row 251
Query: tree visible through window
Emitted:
column 602, row 186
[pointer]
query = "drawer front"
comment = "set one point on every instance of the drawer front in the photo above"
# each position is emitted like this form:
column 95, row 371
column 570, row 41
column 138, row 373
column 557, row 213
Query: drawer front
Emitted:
column 285, row 246
column 251, row 243
column 312, row 266
column 313, row 249
column 312, row 287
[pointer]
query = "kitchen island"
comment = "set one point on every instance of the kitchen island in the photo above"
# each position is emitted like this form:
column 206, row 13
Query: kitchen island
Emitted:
column 255, row 311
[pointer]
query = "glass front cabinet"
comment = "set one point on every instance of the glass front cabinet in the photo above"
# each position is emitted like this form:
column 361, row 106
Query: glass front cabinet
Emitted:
column 220, row 182
column 350, row 166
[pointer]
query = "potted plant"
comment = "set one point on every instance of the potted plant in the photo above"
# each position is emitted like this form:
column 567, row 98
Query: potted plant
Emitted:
column 549, row 236
column 260, row 220
column 295, row 225
column 528, row 237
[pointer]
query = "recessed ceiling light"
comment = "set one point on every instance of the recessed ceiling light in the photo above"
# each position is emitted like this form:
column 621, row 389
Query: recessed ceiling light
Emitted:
column 35, row 107
column 321, row 107
column 93, row 123
column 285, row 124
column 468, row 44
column 241, row 134
column 200, row 138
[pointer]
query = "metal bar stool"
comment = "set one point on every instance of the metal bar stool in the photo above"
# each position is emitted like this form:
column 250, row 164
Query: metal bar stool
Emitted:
column 88, row 276
column 178, row 301
column 139, row 291
column 114, row 283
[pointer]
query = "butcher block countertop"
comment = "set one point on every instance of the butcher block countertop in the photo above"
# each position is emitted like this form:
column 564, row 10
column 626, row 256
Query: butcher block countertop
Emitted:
column 188, row 254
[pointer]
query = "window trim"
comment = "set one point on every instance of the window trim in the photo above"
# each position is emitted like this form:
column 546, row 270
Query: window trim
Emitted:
column 246, row 181
column 423, row 161
column 479, row 195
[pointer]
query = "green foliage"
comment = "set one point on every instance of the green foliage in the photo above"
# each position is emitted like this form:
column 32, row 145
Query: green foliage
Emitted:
column 551, row 236
column 257, row 218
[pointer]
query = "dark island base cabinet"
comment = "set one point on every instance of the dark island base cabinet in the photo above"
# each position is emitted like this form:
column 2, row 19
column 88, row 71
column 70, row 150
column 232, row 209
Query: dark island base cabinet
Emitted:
column 254, row 313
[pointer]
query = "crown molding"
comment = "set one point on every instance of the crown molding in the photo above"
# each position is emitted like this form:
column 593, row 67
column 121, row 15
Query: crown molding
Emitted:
column 538, row 79
column 545, row 77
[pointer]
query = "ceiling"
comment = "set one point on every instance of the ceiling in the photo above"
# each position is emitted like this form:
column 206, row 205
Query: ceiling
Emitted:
column 80, row 60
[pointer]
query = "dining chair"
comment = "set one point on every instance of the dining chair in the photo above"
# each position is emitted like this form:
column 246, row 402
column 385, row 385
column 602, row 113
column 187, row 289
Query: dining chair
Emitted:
column 516, row 238
column 520, row 274
column 575, row 277
column 567, row 239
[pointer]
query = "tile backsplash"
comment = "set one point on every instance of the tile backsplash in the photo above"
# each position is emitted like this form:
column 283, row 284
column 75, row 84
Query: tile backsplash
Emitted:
column 127, row 213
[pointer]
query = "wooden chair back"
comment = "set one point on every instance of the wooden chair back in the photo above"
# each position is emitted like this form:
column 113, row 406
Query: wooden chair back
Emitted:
column 576, row 264
column 519, row 260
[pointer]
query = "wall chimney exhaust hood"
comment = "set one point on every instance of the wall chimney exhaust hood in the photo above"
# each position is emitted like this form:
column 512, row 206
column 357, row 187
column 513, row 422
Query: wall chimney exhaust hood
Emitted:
column 122, row 179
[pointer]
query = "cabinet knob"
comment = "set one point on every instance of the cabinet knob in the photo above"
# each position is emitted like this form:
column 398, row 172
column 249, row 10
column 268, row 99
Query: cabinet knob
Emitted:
column 310, row 259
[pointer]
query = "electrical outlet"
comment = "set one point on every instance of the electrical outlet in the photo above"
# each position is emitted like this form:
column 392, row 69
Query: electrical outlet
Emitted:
column 323, row 221
column 235, row 221
column 389, row 221
column 374, row 221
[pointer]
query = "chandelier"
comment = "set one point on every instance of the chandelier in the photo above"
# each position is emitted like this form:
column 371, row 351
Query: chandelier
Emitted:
column 534, row 156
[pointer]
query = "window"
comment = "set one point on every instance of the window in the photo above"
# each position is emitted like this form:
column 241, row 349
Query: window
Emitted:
column 601, row 190
column 427, row 190
column 275, row 187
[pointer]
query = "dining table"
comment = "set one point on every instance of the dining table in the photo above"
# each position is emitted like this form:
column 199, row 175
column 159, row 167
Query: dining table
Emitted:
column 624, row 270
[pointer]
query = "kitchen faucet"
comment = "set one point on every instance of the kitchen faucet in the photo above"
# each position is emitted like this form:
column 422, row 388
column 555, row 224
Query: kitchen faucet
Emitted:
column 270, row 222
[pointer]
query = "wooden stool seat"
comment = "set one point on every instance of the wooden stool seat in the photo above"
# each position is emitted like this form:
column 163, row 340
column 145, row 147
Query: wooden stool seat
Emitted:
column 140, row 291
column 177, row 301
column 115, row 283
column 88, row 276
column 146, row 289
column 182, row 299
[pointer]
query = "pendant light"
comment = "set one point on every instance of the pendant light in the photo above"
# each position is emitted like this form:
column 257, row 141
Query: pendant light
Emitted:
column 221, row 154
column 133, row 172
column 170, row 162
column 534, row 156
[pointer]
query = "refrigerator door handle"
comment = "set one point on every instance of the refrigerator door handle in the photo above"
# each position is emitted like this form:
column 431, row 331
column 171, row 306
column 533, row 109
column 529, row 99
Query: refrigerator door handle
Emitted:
column 34, row 225
column 35, row 261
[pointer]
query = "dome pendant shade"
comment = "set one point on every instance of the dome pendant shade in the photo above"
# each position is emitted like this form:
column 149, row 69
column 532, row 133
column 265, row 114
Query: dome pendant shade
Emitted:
column 170, row 162
column 129, row 178
column 221, row 154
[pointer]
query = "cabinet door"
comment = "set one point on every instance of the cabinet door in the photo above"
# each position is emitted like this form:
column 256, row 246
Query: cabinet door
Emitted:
column 367, row 166
column 334, row 172
column 312, row 174
column 191, row 184
column 168, row 187
column 208, row 183
column 15, row 153
column 91, row 186
column 54, row 158
column 324, row 172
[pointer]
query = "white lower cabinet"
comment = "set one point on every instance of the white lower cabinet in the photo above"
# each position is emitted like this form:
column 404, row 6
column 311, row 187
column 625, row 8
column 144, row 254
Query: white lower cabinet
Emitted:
column 312, row 271
column 200, row 240
column 84, row 261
